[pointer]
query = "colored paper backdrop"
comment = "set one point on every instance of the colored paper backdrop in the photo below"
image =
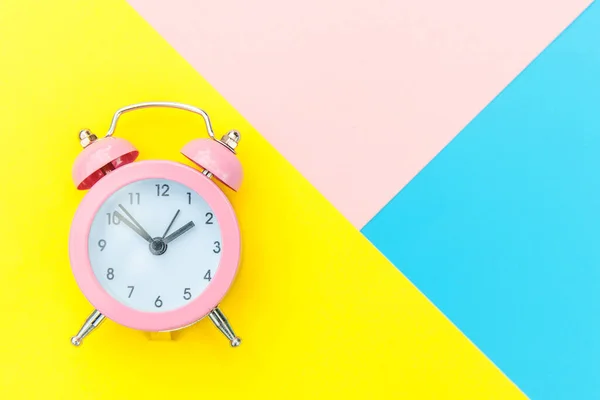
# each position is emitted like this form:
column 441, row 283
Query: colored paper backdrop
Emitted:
column 341, row 105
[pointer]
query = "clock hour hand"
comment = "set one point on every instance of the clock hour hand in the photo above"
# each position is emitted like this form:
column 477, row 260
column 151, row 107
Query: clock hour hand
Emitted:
column 179, row 232
column 133, row 224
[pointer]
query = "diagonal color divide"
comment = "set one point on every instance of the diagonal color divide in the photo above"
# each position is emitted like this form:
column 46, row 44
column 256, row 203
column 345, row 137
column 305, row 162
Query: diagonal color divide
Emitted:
column 321, row 312
column 501, row 229
column 359, row 95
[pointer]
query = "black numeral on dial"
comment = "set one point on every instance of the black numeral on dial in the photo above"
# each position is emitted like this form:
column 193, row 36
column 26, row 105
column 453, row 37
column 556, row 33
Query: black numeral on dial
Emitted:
column 187, row 294
column 113, row 218
column 130, row 291
column 110, row 274
column 217, row 248
column 189, row 197
column 162, row 190
column 209, row 217
column 158, row 302
column 134, row 198
column 207, row 276
column 102, row 244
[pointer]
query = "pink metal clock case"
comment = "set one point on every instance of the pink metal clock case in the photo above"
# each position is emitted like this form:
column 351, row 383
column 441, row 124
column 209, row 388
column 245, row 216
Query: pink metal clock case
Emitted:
column 168, row 320
column 110, row 153
column 215, row 157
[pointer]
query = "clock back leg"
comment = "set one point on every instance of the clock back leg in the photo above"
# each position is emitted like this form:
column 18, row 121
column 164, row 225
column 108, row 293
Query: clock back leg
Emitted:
column 160, row 336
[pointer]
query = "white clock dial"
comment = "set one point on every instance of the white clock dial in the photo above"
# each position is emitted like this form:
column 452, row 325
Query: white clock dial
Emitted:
column 143, row 268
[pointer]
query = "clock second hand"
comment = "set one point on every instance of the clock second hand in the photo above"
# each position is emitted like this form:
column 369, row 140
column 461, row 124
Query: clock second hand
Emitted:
column 171, row 224
column 137, row 227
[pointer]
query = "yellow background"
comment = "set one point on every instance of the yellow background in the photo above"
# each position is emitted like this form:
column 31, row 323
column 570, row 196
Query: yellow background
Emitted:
column 322, row 314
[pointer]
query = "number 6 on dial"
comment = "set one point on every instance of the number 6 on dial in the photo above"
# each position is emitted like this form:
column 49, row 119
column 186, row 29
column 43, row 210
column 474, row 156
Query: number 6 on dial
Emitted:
column 155, row 245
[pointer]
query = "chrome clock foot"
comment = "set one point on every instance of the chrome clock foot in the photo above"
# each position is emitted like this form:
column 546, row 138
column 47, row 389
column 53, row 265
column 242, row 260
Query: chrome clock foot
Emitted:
column 218, row 318
column 90, row 324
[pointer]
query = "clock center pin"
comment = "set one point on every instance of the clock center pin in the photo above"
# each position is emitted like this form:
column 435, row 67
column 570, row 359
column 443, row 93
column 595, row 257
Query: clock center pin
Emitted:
column 158, row 246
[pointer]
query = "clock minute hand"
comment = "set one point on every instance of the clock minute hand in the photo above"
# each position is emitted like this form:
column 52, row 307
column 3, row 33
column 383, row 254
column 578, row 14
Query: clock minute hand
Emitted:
column 179, row 232
column 129, row 224
column 133, row 224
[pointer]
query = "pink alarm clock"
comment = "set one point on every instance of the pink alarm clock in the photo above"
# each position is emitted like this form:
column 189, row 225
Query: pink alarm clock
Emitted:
column 155, row 245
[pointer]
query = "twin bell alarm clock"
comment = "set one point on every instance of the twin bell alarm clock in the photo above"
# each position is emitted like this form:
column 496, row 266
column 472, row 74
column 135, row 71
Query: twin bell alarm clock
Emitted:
column 155, row 245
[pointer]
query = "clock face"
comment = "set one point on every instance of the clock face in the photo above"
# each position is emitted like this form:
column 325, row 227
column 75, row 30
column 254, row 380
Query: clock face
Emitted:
column 154, row 245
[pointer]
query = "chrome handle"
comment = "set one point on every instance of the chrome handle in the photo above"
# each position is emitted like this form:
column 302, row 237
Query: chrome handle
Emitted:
column 167, row 104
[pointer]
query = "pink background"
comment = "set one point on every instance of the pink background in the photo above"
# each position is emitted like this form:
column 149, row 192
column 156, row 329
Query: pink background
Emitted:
column 359, row 95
